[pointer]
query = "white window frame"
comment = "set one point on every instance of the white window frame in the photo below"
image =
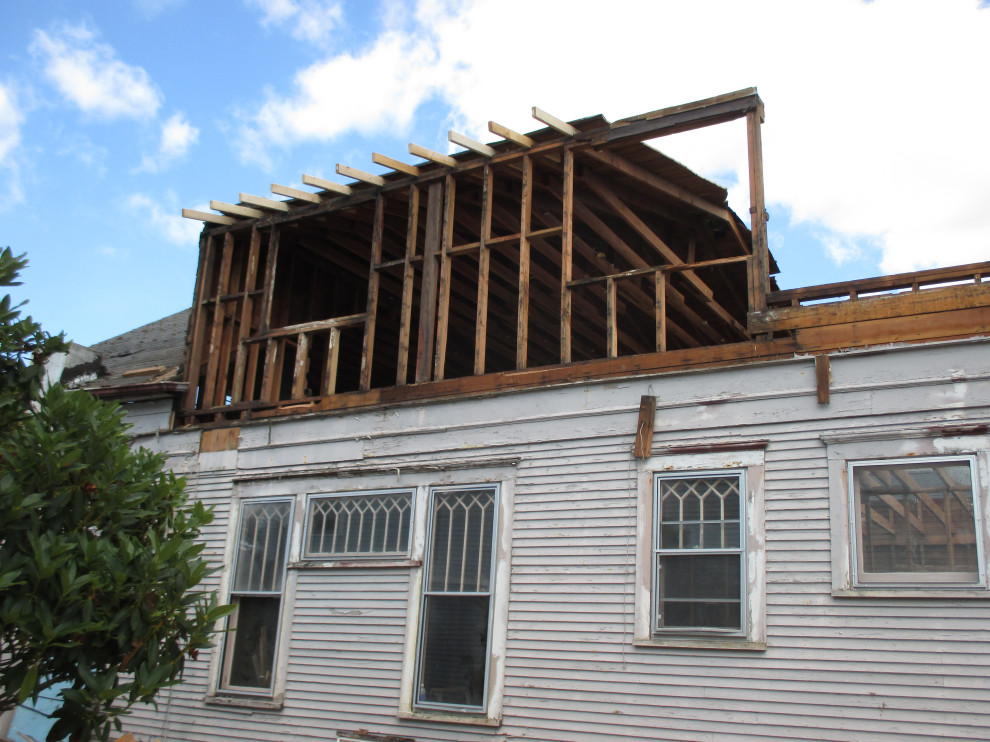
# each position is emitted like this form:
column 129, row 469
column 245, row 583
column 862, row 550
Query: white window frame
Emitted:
column 846, row 450
column 748, row 462
column 359, row 555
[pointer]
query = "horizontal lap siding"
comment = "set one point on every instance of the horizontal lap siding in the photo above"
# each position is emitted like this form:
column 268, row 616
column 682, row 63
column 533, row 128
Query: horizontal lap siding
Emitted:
column 836, row 669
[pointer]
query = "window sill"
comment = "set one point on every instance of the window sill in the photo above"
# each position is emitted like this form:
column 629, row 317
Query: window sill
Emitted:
column 249, row 702
column 684, row 642
column 478, row 720
column 357, row 564
column 962, row 593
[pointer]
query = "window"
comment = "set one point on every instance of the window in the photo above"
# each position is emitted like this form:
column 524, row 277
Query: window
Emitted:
column 256, row 590
column 915, row 522
column 699, row 565
column 359, row 524
column 455, row 625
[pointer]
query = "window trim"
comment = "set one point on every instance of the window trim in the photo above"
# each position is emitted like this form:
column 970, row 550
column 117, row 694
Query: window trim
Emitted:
column 362, row 557
column 747, row 459
column 890, row 447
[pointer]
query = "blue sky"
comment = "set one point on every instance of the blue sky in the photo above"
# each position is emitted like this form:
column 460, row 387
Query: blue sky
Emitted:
column 116, row 115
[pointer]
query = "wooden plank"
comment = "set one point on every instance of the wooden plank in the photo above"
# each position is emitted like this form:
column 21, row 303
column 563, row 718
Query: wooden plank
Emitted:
column 333, row 362
column 247, row 312
column 408, row 286
column 513, row 136
column 229, row 309
column 216, row 335
column 268, row 385
column 525, row 216
column 760, row 265
column 194, row 351
column 295, row 193
column 219, row 439
column 264, row 203
column 643, row 446
column 661, row 269
column 823, row 378
column 301, row 366
column 429, row 154
column 660, row 284
column 353, row 172
column 484, row 259
column 235, row 210
column 469, row 143
column 611, row 321
column 554, row 123
column 347, row 320
column 204, row 216
column 443, row 300
column 374, row 277
column 566, row 256
column 428, row 289
column 398, row 165
column 327, row 185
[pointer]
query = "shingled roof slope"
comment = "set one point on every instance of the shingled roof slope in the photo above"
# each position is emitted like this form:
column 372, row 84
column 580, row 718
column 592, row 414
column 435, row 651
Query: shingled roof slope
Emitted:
column 157, row 348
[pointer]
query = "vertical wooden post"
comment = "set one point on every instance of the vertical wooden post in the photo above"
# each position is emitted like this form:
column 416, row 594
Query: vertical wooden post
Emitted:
column 759, row 265
column 823, row 378
column 333, row 361
column 428, row 290
column 443, row 307
column 611, row 321
column 566, row 250
column 522, row 312
column 660, row 281
column 643, row 446
column 247, row 312
column 301, row 366
column 219, row 313
column 484, row 258
column 271, row 263
column 194, row 353
column 408, row 284
column 368, row 348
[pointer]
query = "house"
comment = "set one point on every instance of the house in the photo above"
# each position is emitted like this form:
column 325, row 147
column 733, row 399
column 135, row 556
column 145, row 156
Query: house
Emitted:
column 525, row 443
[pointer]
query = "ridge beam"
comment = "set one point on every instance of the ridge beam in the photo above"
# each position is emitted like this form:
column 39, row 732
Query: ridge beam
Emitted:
column 554, row 123
column 282, row 190
column 326, row 185
column 263, row 203
column 429, row 154
column 469, row 143
column 353, row 172
column 234, row 210
column 397, row 165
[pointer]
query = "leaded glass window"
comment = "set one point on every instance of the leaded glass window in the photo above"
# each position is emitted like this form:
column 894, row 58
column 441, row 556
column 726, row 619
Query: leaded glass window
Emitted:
column 366, row 524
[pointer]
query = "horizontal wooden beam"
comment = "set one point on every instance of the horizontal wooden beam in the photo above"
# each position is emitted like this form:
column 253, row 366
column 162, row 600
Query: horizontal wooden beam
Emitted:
column 554, row 123
column 282, row 190
column 235, row 210
column 353, row 172
column 327, row 185
column 469, row 143
column 429, row 154
column 263, row 203
column 513, row 136
column 205, row 216
column 398, row 165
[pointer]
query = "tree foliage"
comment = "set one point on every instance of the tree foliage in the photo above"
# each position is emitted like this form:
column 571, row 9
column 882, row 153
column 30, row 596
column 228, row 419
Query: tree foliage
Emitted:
column 99, row 558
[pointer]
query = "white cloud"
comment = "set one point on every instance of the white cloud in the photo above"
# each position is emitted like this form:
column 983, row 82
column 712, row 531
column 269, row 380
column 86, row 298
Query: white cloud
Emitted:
column 306, row 20
column 88, row 74
column 177, row 136
column 168, row 220
column 11, row 120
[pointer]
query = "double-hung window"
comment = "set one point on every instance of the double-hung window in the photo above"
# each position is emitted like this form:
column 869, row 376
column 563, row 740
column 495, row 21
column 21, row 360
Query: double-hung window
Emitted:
column 257, row 592
column 456, row 617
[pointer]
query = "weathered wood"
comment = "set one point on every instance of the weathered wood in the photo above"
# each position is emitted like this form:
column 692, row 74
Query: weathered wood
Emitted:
column 408, row 285
column 348, row 320
column 566, row 255
column 443, row 305
column 301, row 366
column 659, row 269
column 660, row 284
column 428, row 289
column 611, row 320
column 643, row 445
column 484, row 260
column 522, row 310
column 216, row 334
column 374, row 278
column 247, row 312
column 333, row 362
column 219, row 439
column 760, row 265
column 197, row 322
column 823, row 378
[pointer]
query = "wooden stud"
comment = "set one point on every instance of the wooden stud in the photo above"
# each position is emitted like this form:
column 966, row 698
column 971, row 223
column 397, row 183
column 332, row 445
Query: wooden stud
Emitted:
column 522, row 312
column 611, row 321
column 374, row 278
column 513, row 136
column 353, row 172
column 484, row 260
column 429, row 154
column 301, row 366
column 428, row 289
column 566, row 256
column 219, row 312
column 204, row 216
column 247, row 312
column 264, row 203
column 554, row 123
column 443, row 301
column 333, row 362
column 660, row 282
column 327, row 185
column 760, row 266
column 823, row 378
column 643, row 446
column 235, row 210
column 194, row 352
column 408, row 285
column 397, row 165
column 471, row 144
column 282, row 190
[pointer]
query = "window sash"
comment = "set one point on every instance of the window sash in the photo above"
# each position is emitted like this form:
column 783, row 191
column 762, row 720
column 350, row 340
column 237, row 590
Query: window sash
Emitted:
column 703, row 530
column 899, row 502
column 364, row 524
column 461, row 581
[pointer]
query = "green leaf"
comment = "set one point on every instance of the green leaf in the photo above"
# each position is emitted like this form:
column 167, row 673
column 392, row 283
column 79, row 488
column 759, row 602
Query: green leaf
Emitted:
column 28, row 685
